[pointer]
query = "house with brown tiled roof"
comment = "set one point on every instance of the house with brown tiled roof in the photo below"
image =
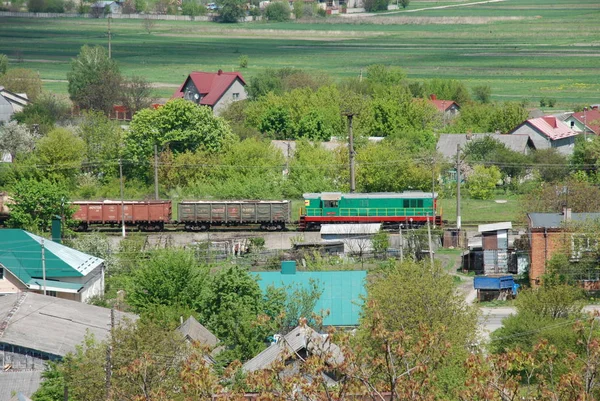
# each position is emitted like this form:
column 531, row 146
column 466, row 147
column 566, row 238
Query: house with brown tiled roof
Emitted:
column 590, row 119
column 548, row 132
column 448, row 107
column 213, row 89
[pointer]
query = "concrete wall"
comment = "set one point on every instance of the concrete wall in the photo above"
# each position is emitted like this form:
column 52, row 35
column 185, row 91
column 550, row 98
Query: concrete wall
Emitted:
column 93, row 285
column 10, row 284
column 228, row 98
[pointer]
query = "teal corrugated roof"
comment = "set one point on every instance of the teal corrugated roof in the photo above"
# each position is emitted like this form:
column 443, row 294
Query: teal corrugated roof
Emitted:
column 342, row 291
column 21, row 254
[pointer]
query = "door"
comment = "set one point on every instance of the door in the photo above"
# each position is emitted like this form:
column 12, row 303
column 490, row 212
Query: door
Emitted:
column 330, row 207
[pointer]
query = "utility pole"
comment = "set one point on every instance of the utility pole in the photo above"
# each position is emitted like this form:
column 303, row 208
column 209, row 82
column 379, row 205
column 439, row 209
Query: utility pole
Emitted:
column 122, row 202
column 433, row 189
column 156, row 172
column 43, row 265
column 350, row 116
column 585, row 124
column 108, row 367
column 109, row 39
column 430, row 242
column 458, row 222
column 401, row 243
column 287, row 160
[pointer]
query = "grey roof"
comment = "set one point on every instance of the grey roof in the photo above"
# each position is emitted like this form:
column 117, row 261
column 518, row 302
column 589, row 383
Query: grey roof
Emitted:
column 14, row 382
column 372, row 195
column 350, row 229
column 6, row 110
column 556, row 220
column 195, row 331
column 82, row 262
column 302, row 337
column 507, row 225
column 447, row 143
column 52, row 325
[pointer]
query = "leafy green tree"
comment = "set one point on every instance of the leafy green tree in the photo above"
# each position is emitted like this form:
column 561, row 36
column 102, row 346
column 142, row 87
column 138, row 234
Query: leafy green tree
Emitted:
column 482, row 182
column 169, row 277
column 193, row 8
column 52, row 387
column 136, row 93
column 298, row 8
column 278, row 11
column 232, row 309
column 580, row 196
column 276, row 123
column 482, row 93
column 36, row 203
column 507, row 117
column 447, row 89
column 83, row 371
column 180, row 125
column 94, row 80
column 41, row 115
column 413, row 297
column 386, row 76
column 231, row 10
column 22, row 80
column 60, row 162
column 3, row 64
column 101, row 138
column 309, row 170
column 286, row 306
column 384, row 167
column 313, row 127
column 550, row 164
column 489, row 150
column 404, row 3
column 15, row 139
column 375, row 5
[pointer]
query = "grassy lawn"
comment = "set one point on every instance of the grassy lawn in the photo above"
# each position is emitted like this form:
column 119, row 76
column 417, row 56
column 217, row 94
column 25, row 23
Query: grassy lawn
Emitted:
column 474, row 211
column 521, row 48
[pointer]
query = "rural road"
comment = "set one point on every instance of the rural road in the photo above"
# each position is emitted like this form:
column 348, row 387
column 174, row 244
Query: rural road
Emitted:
column 354, row 15
column 491, row 318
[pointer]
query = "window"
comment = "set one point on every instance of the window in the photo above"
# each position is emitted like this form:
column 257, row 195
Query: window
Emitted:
column 236, row 96
column 1, row 273
column 413, row 203
column 331, row 203
column 582, row 244
column 51, row 293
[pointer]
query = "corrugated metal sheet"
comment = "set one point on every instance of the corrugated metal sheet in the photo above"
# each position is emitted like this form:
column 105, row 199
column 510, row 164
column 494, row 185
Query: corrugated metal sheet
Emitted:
column 494, row 227
column 24, row 382
column 556, row 220
column 342, row 292
column 376, row 195
column 348, row 230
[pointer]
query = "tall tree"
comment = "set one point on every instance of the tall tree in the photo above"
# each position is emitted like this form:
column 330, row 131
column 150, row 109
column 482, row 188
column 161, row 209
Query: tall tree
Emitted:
column 94, row 80
column 136, row 94
column 35, row 203
column 102, row 139
column 60, row 162
column 22, row 80
column 15, row 139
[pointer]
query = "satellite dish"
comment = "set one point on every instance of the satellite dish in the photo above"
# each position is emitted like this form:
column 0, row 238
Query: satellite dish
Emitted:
column 196, row 96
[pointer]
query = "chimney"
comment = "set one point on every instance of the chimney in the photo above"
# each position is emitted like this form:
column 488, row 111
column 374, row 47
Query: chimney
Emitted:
column 566, row 214
column 56, row 229
column 433, row 96
column 288, row 267
column 219, row 72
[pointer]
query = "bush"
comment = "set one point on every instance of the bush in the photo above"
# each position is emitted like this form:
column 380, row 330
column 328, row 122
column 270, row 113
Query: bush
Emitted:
column 36, row 6
column 321, row 12
column 482, row 93
column 482, row 182
column 298, row 9
column 375, row 5
column 243, row 61
column 278, row 11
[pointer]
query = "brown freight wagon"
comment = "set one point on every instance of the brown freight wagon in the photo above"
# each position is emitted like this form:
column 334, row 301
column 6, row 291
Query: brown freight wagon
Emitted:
column 147, row 215
column 200, row 215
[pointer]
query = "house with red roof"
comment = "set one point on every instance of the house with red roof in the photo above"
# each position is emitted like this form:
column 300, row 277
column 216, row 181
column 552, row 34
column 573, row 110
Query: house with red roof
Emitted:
column 548, row 132
column 213, row 89
column 448, row 107
column 590, row 119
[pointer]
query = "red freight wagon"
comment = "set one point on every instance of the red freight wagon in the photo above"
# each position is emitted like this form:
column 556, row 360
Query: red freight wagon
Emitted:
column 147, row 215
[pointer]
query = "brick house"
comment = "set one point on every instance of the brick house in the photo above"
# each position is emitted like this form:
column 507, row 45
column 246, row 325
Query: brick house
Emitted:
column 548, row 132
column 215, row 90
column 548, row 235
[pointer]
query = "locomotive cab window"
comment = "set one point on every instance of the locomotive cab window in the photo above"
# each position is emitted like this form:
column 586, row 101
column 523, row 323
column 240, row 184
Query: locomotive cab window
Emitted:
column 330, row 204
column 413, row 203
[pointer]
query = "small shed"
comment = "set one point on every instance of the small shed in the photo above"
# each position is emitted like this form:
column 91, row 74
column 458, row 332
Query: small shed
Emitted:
column 357, row 238
column 495, row 247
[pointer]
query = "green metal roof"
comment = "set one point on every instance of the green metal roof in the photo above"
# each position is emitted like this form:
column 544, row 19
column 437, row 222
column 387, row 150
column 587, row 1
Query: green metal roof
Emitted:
column 21, row 254
column 342, row 291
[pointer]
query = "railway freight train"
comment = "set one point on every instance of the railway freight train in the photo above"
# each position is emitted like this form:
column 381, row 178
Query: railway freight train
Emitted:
column 390, row 209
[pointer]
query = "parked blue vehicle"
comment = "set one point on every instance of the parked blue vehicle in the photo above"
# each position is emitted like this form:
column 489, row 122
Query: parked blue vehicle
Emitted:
column 490, row 287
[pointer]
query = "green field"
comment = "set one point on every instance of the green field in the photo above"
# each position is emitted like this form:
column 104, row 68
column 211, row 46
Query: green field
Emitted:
column 523, row 49
column 475, row 211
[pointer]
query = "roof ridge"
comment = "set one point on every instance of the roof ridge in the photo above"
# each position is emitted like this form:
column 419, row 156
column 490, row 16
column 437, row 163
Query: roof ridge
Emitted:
column 12, row 312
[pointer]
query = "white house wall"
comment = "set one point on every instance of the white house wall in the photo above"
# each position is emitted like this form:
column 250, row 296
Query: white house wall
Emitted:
column 93, row 283
column 227, row 97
